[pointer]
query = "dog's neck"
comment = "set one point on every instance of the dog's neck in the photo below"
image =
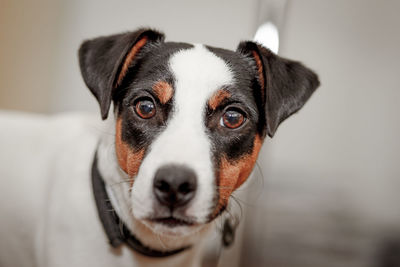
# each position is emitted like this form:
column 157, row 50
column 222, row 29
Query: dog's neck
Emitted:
column 117, row 186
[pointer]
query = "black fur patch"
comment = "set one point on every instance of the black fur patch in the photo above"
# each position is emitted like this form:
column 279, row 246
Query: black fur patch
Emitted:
column 150, row 67
column 288, row 84
column 101, row 60
column 234, row 143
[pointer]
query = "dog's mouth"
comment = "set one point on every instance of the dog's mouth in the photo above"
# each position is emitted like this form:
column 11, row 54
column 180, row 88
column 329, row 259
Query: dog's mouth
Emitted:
column 172, row 221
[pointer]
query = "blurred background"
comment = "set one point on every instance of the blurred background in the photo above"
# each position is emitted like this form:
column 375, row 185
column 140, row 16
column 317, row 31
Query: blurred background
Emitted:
column 327, row 190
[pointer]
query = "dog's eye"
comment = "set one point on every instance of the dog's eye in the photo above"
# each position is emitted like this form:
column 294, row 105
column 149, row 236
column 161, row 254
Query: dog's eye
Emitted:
column 232, row 119
column 145, row 108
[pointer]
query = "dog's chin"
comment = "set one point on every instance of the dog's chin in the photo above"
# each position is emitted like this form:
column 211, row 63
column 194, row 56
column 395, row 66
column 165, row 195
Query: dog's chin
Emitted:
column 172, row 227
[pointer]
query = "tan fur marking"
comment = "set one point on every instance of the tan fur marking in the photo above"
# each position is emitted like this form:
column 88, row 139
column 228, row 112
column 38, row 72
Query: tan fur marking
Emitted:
column 129, row 58
column 128, row 159
column 234, row 174
column 163, row 90
column 260, row 69
column 217, row 98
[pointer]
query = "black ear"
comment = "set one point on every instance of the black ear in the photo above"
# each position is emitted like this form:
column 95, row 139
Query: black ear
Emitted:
column 104, row 62
column 286, row 85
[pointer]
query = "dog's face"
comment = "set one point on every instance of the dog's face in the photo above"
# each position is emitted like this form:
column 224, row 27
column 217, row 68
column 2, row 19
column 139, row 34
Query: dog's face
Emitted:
column 190, row 119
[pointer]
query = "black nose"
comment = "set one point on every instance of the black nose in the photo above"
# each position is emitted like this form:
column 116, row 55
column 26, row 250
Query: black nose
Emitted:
column 174, row 185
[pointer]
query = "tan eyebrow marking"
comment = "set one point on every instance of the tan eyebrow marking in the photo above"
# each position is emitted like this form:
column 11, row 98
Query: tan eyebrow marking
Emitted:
column 163, row 90
column 217, row 98
column 129, row 58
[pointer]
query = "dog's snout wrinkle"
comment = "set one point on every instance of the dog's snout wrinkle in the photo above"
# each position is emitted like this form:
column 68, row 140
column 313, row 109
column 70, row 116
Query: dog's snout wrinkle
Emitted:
column 174, row 185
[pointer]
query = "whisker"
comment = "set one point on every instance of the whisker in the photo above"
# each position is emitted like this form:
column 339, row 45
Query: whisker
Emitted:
column 261, row 174
column 225, row 187
column 161, row 242
column 237, row 201
column 122, row 182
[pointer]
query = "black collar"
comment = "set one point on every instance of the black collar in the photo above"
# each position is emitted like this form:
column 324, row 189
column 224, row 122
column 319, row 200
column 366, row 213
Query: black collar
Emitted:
column 115, row 229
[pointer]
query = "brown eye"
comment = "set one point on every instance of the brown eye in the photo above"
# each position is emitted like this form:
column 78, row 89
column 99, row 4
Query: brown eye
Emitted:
column 232, row 119
column 145, row 108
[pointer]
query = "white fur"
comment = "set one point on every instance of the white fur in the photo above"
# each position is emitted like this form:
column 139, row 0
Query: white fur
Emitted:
column 198, row 74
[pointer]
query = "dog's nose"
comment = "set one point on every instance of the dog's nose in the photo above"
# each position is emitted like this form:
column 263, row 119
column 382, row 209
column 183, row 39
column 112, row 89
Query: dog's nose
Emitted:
column 174, row 185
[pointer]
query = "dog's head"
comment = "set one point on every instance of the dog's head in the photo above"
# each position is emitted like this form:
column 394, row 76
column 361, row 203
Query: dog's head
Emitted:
column 190, row 119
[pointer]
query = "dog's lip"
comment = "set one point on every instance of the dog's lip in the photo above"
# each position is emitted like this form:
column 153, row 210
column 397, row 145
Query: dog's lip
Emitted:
column 172, row 221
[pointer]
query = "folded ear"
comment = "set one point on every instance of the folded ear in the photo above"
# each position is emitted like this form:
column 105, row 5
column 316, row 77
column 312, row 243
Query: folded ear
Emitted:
column 285, row 84
column 105, row 61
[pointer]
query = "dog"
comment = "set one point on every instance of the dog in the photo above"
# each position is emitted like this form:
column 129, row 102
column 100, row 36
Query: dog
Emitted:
column 144, row 186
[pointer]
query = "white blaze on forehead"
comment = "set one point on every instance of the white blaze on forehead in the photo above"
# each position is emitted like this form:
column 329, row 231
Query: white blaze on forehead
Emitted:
column 198, row 74
column 200, row 69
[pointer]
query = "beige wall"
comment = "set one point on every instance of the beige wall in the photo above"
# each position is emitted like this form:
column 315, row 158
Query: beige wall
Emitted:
column 349, row 133
column 28, row 36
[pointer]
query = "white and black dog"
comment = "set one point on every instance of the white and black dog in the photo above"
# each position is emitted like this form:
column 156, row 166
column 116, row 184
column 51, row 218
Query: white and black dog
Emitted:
column 143, row 190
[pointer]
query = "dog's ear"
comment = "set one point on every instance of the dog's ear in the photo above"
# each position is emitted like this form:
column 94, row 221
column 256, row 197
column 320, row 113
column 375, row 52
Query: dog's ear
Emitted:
column 285, row 84
column 105, row 61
